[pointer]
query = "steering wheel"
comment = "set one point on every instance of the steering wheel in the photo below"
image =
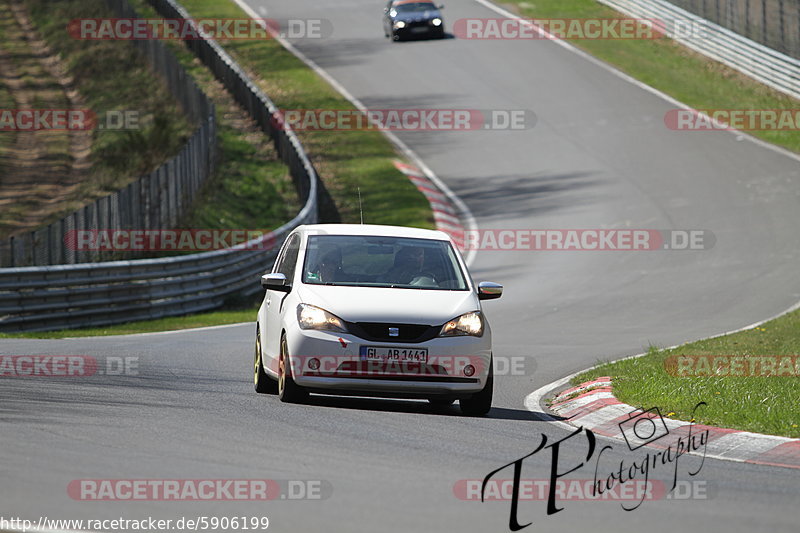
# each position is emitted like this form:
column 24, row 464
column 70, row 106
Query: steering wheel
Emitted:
column 424, row 278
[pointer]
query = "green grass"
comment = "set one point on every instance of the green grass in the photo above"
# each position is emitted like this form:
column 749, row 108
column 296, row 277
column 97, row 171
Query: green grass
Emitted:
column 346, row 160
column 758, row 404
column 251, row 188
column 109, row 76
column 39, row 90
column 215, row 318
column 7, row 138
column 671, row 68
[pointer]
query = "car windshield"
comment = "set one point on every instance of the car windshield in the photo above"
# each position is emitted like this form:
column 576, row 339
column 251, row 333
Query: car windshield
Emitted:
column 414, row 6
column 370, row 261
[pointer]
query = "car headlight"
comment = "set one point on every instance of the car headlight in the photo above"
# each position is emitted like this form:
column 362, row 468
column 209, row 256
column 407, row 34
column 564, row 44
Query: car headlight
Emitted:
column 399, row 25
column 312, row 317
column 436, row 22
column 466, row 324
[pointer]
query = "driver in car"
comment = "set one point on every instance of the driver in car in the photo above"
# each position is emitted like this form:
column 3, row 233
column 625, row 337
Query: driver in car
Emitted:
column 407, row 269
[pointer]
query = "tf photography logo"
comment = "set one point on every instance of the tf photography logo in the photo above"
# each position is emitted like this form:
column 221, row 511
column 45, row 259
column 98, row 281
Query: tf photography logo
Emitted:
column 639, row 429
column 643, row 428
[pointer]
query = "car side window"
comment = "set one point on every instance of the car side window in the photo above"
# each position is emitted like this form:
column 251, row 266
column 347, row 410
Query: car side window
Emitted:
column 288, row 259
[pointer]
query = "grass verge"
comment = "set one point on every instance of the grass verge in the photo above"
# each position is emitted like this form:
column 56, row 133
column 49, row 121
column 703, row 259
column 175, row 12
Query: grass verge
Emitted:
column 688, row 76
column 345, row 160
column 108, row 76
column 6, row 102
column 762, row 404
column 251, row 187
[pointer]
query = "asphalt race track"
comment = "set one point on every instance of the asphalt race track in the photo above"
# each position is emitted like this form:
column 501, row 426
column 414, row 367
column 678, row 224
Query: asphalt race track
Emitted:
column 599, row 156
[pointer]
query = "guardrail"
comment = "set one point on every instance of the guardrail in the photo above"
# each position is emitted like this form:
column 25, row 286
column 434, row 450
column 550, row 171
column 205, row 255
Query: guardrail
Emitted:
column 94, row 294
column 761, row 63
column 153, row 201
column 248, row 95
column 773, row 23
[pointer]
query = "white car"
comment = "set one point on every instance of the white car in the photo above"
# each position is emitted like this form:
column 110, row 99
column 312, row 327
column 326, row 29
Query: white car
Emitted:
column 367, row 310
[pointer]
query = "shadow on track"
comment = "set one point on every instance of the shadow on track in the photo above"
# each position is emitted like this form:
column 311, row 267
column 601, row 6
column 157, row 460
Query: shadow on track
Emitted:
column 415, row 407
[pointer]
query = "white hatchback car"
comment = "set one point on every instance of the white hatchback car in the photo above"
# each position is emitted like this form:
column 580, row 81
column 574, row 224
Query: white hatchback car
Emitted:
column 367, row 310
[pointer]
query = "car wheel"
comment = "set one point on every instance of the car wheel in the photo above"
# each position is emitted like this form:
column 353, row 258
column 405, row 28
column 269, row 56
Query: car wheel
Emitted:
column 480, row 403
column 395, row 37
column 263, row 383
column 442, row 402
column 288, row 390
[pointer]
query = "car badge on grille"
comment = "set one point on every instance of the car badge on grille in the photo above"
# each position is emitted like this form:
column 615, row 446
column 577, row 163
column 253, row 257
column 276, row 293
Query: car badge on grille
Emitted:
column 394, row 332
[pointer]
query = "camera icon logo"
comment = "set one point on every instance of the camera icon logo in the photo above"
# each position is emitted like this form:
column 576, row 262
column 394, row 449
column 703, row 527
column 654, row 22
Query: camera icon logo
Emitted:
column 643, row 427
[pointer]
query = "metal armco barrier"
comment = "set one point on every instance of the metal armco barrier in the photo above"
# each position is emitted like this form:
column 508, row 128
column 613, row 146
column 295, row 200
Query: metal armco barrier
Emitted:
column 761, row 63
column 94, row 294
column 773, row 23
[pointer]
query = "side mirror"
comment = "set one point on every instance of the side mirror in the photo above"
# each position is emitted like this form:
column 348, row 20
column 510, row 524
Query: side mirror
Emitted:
column 275, row 282
column 440, row 6
column 489, row 291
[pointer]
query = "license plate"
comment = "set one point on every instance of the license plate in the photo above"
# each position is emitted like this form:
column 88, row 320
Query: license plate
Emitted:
column 419, row 30
column 400, row 355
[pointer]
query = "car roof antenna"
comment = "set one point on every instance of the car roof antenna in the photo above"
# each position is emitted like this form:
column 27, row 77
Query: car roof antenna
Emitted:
column 360, row 210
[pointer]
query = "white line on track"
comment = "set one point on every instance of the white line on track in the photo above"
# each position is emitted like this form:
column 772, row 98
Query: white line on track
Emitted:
column 166, row 332
column 567, row 46
column 469, row 220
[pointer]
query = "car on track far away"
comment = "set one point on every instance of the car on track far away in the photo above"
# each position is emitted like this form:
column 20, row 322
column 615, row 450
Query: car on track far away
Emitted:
column 367, row 310
column 411, row 18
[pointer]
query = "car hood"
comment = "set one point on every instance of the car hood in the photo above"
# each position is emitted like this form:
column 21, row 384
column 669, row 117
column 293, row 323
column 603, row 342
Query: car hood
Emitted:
column 400, row 306
column 418, row 16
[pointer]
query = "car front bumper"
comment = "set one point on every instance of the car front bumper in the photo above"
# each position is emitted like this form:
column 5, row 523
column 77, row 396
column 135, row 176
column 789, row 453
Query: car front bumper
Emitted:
column 332, row 363
column 419, row 31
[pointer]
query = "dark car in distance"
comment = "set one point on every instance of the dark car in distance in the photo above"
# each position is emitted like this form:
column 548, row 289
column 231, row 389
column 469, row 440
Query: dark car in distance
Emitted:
column 411, row 18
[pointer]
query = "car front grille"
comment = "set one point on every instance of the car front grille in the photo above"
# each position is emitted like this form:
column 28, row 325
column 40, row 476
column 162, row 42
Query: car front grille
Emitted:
column 379, row 331
column 417, row 24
